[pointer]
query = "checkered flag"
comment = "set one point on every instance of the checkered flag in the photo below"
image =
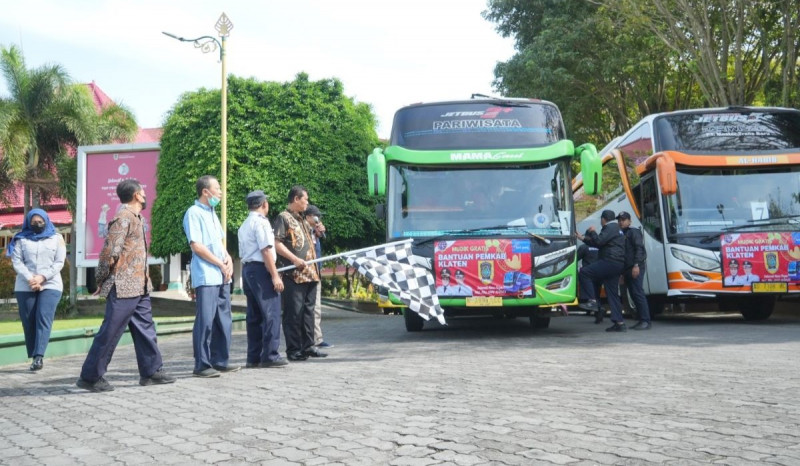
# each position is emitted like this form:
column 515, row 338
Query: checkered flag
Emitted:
column 390, row 266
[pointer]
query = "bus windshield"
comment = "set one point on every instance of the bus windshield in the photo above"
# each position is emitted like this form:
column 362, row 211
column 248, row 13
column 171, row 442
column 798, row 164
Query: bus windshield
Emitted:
column 709, row 200
column 477, row 125
column 434, row 201
column 729, row 132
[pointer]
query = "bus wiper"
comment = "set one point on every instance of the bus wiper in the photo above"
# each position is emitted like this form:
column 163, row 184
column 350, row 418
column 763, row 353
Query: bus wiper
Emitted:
column 496, row 227
column 767, row 221
column 786, row 219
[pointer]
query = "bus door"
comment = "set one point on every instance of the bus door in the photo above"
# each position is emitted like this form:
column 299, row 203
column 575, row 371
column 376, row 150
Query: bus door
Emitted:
column 648, row 202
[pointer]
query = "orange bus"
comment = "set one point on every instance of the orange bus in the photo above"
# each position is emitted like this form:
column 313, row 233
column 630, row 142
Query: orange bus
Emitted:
column 716, row 193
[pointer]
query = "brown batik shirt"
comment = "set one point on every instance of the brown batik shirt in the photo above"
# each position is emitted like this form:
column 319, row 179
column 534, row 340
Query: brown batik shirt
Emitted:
column 123, row 260
column 294, row 232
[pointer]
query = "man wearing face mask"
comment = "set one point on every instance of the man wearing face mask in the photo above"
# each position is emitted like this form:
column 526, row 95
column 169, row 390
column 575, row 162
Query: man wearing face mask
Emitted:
column 123, row 279
column 211, row 272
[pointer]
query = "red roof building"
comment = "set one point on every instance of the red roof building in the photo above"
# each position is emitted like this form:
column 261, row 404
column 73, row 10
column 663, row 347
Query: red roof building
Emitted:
column 11, row 215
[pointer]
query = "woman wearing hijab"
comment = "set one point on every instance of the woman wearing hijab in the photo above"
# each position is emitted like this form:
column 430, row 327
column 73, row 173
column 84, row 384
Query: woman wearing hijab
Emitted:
column 37, row 253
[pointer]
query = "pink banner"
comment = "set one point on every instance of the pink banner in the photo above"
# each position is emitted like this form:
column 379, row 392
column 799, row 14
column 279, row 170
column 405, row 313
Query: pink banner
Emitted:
column 760, row 257
column 103, row 172
column 483, row 267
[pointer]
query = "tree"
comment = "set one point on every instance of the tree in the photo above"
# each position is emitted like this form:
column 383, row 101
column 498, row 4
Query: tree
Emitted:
column 608, row 63
column 733, row 47
column 44, row 117
column 42, row 123
column 569, row 52
column 280, row 134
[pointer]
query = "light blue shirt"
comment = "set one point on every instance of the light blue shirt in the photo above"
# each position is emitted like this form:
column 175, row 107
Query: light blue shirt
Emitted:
column 201, row 225
column 255, row 234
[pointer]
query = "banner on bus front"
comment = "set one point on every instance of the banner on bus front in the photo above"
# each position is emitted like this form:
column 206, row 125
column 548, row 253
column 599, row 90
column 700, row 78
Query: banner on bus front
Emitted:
column 758, row 259
column 483, row 268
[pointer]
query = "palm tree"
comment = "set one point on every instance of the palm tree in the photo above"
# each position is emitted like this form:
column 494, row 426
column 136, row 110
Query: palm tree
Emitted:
column 46, row 116
column 42, row 123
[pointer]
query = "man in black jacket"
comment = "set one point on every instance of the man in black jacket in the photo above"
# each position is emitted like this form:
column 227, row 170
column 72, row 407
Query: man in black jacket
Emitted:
column 607, row 269
column 635, row 257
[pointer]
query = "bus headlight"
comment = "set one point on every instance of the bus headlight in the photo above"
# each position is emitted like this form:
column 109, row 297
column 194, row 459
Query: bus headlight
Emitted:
column 555, row 265
column 695, row 260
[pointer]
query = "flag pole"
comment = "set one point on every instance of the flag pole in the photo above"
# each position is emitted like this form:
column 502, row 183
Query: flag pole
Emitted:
column 348, row 253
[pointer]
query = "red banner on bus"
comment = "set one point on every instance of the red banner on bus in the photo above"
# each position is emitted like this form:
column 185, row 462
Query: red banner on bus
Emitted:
column 483, row 267
column 760, row 257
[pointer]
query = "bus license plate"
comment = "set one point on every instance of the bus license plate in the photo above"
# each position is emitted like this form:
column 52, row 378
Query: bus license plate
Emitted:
column 777, row 287
column 484, row 301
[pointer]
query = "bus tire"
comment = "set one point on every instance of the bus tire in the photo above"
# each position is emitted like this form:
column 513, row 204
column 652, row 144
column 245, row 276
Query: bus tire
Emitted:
column 414, row 322
column 758, row 308
column 540, row 322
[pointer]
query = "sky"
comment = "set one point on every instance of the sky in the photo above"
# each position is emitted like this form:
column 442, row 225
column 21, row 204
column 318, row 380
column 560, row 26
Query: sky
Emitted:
column 387, row 53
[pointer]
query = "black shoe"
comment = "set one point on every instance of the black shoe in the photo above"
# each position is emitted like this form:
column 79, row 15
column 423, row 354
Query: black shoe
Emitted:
column 276, row 363
column 100, row 386
column 642, row 325
column 206, row 373
column 297, row 357
column 226, row 369
column 252, row 365
column 590, row 305
column 617, row 327
column 598, row 316
column 158, row 378
column 314, row 353
column 37, row 363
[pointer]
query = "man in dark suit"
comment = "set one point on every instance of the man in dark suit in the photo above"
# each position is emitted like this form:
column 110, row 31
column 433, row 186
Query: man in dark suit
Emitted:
column 608, row 268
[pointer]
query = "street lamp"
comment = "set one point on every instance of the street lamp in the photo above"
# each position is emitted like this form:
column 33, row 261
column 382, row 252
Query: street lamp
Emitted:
column 209, row 44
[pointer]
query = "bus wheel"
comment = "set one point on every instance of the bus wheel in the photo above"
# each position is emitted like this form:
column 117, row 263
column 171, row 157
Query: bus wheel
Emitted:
column 757, row 308
column 413, row 320
column 540, row 322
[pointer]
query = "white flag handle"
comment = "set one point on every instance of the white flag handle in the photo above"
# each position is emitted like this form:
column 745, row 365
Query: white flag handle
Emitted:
column 348, row 253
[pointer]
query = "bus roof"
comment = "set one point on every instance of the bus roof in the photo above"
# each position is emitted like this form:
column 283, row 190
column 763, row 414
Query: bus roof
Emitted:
column 497, row 100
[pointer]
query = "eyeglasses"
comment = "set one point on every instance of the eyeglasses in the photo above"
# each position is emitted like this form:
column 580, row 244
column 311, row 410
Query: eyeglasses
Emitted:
column 37, row 224
column 748, row 266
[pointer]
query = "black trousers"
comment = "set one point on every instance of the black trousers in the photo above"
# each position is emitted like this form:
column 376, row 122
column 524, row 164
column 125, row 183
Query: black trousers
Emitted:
column 637, row 292
column 297, row 301
column 135, row 314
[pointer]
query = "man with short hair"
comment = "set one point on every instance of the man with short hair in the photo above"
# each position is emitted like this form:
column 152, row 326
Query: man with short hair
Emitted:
column 749, row 277
column 635, row 267
column 211, row 272
column 609, row 266
column 314, row 218
column 294, row 245
column 461, row 289
column 123, row 279
column 445, row 288
column 262, row 284
column 734, row 279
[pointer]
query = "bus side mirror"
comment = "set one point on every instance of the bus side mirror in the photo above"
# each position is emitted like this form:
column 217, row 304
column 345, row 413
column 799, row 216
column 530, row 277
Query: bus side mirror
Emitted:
column 380, row 211
column 376, row 173
column 667, row 179
column 591, row 168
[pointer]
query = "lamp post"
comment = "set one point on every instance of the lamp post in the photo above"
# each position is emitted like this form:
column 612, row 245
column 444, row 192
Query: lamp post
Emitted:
column 209, row 44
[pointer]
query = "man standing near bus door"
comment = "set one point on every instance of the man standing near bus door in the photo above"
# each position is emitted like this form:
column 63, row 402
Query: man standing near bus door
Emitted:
column 313, row 217
column 635, row 258
column 608, row 268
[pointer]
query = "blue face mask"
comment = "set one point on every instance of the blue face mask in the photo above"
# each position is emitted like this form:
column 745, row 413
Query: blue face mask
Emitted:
column 213, row 201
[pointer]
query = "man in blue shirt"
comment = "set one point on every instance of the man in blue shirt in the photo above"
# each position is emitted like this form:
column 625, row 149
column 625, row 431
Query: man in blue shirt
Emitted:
column 211, row 271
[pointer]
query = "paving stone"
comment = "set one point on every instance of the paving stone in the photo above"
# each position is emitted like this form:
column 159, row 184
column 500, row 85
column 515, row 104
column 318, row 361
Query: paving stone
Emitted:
column 480, row 392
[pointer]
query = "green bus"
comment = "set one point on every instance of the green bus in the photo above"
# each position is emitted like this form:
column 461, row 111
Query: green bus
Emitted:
column 483, row 186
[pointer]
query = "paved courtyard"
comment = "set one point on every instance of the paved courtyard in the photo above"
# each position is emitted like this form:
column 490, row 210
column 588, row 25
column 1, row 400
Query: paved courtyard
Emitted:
column 694, row 390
